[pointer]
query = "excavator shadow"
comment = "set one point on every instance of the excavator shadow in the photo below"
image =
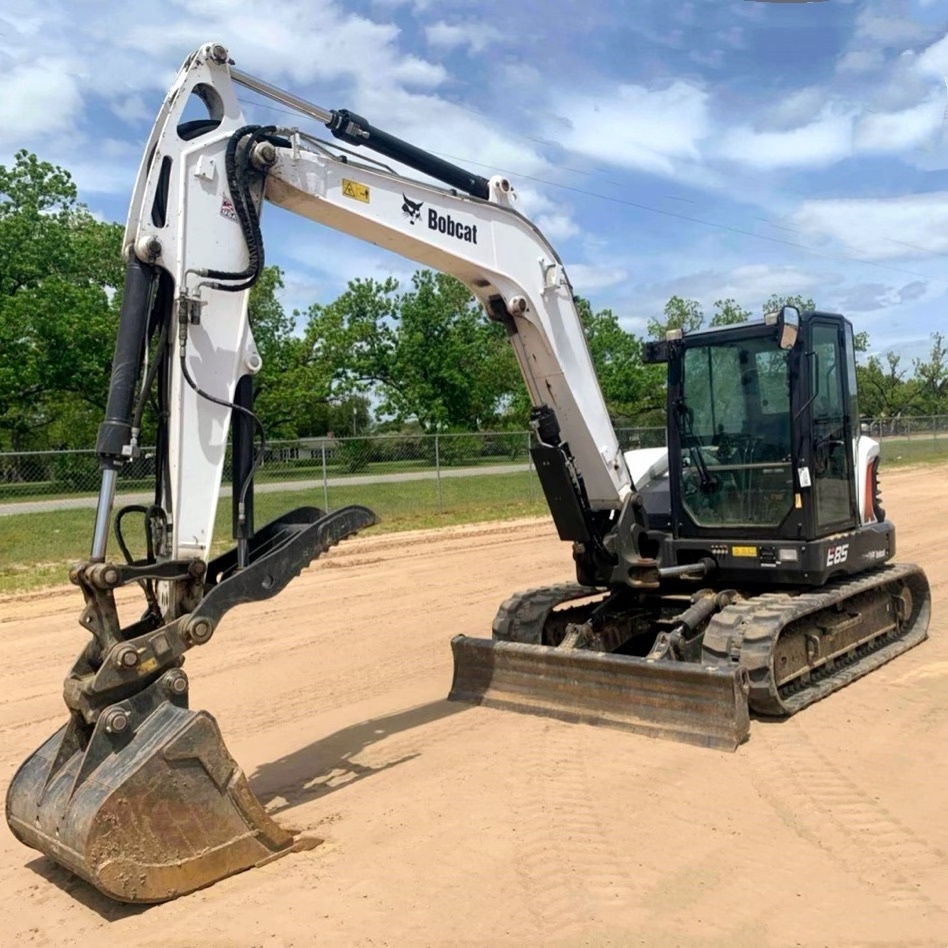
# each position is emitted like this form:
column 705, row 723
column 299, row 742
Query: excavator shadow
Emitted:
column 328, row 764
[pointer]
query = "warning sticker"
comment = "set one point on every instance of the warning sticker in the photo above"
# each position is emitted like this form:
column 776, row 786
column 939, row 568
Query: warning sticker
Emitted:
column 743, row 551
column 356, row 191
column 227, row 209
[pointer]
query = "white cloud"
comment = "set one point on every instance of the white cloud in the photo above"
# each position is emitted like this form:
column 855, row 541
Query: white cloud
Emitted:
column 476, row 36
column 796, row 109
column 934, row 59
column 911, row 226
column 334, row 258
column 886, row 31
column 750, row 284
column 870, row 297
column 557, row 226
column 585, row 278
column 40, row 99
column 132, row 109
column 900, row 131
column 554, row 219
column 821, row 142
column 860, row 61
column 636, row 127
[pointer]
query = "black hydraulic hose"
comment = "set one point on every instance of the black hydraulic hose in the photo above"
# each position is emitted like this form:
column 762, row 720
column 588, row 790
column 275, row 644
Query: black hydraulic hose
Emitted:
column 242, row 459
column 244, row 207
column 147, row 586
column 150, row 376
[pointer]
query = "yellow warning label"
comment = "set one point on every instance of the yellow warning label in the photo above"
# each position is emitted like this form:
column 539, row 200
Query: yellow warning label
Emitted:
column 356, row 191
column 743, row 551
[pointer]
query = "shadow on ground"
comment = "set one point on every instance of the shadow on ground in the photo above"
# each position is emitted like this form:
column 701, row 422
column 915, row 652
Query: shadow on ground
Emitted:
column 327, row 765
column 84, row 892
column 307, row 774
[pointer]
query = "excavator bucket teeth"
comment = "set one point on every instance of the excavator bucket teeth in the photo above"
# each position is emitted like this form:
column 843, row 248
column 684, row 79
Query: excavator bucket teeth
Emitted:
column 673, row 700
column 146, row 816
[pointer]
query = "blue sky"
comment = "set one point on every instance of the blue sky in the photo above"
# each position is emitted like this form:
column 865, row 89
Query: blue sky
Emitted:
column 709, row 148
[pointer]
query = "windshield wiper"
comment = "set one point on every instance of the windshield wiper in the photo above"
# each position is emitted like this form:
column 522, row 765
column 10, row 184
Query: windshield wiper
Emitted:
column 686, row 433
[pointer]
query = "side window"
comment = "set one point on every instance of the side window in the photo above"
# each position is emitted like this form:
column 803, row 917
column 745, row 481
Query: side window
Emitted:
column 832, row 484
column 829, row 387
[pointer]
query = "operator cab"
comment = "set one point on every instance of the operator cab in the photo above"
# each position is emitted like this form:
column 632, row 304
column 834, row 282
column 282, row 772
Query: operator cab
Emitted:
column 762, row 443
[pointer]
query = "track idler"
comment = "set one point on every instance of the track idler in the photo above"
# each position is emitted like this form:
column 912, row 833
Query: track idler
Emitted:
column 137, row 794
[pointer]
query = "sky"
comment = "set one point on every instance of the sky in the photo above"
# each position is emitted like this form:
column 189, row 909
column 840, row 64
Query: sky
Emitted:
column 704, row 148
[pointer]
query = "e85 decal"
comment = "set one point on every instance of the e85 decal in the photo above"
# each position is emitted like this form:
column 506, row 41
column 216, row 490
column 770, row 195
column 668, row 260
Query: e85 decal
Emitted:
column 837, row 554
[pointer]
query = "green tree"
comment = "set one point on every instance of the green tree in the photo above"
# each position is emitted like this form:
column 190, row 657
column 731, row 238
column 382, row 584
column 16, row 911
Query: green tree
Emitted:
column 883, row 389
column 931, row 377
column 679, row 313
column 428, row 353
column 285, row 399
column 775, row 302
column 629, row 387
column 60, row 288
column 728, row 312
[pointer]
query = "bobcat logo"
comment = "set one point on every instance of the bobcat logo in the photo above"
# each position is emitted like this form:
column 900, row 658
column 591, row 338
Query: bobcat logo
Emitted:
column 412, row 209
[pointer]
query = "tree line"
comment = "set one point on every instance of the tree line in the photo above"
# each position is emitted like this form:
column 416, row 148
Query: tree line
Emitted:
column 380, row 357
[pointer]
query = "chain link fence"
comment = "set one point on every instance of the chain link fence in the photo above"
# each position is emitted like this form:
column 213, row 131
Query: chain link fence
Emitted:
column 424, row 472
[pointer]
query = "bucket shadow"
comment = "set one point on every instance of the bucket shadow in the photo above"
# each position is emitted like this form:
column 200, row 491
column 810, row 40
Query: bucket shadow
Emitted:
column 84, row 892
column 327, row 765
column 307, row 774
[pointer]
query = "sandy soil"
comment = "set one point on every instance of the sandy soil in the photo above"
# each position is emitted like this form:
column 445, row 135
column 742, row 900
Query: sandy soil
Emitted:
column 451, row 825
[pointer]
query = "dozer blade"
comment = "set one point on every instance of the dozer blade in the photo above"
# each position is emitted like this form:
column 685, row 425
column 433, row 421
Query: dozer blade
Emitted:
column 672, row 700
column 148, row 816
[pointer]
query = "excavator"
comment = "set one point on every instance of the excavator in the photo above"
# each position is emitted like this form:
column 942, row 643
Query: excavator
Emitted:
column 746, row 567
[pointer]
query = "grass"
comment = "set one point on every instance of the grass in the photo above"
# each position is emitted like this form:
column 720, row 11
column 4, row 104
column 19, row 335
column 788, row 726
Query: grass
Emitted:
column 37, row 549
column 901, row 452
column 272, row 473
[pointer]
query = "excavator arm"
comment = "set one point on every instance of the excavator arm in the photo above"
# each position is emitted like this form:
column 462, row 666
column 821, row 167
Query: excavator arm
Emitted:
column 194, row 225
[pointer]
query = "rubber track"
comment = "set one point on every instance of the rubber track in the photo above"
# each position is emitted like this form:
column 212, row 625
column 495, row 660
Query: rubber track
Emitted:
column 521, row 618
column 747, row 632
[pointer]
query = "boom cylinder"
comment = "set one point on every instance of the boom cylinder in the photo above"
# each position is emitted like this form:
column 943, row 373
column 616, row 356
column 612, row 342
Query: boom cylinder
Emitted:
column 115, row 433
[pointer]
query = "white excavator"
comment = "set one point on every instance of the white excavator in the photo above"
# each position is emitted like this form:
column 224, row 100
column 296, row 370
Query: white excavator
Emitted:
column 746, row 568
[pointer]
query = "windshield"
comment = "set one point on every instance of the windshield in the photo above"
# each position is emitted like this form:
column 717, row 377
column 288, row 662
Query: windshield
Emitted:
column 734, row 425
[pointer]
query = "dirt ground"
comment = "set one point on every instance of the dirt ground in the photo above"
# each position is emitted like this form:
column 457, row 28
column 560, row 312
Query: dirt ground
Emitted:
column 451, row 825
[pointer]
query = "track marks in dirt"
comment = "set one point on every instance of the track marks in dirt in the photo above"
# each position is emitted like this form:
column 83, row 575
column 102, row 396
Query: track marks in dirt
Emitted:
column 573, row 871
column 819, row 802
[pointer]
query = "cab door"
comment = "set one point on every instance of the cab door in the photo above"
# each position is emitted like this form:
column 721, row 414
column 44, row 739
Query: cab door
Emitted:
column 833, row 482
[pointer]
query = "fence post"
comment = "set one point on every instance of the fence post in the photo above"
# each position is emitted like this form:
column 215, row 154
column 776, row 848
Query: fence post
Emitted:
column 325, row 480
column 530, row 486
column 438, row 468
